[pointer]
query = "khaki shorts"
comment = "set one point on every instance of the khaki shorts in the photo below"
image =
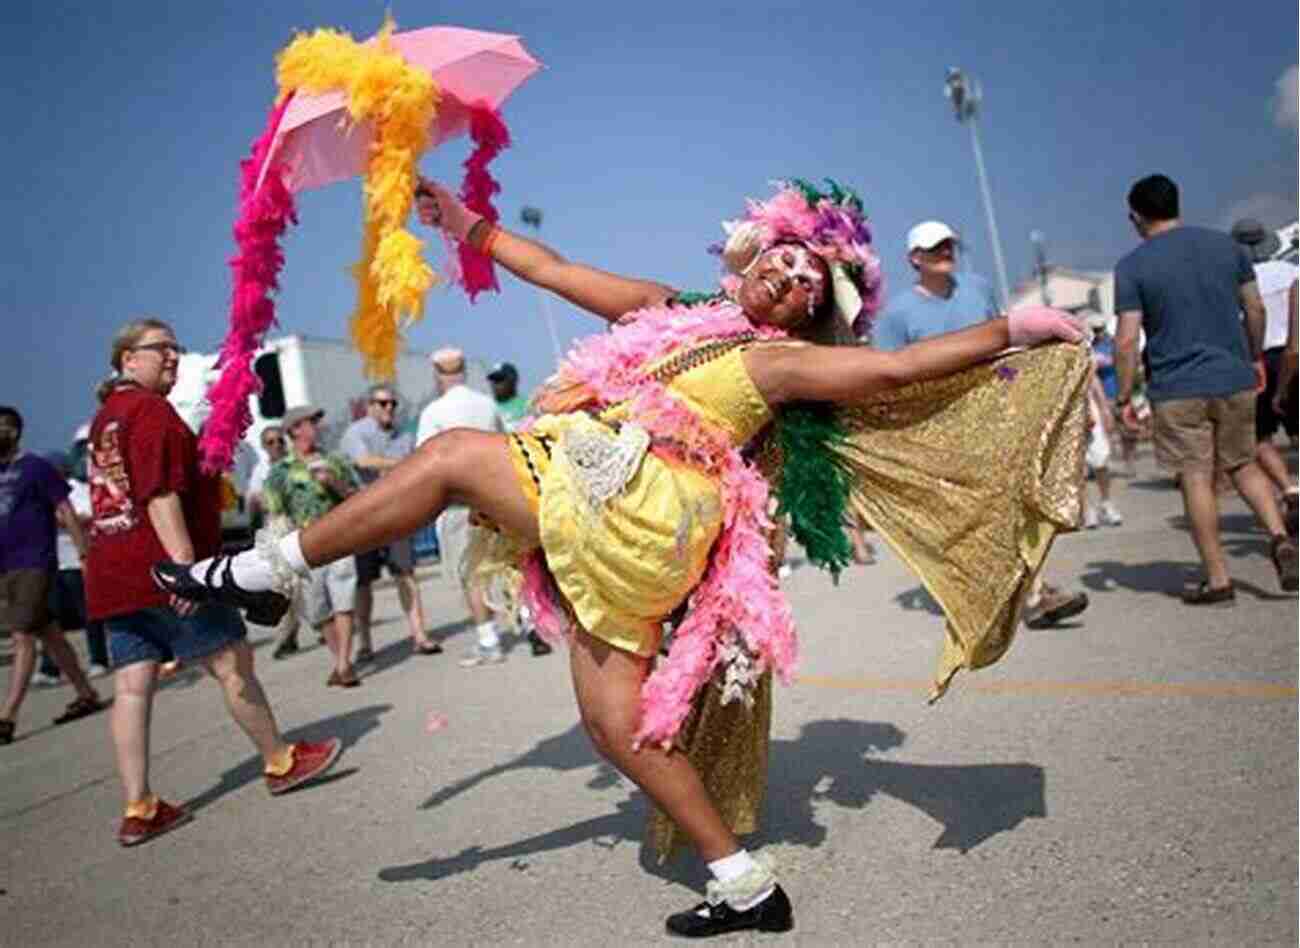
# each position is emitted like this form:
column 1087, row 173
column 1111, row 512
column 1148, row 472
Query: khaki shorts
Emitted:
column 329, row 590
column 1198, row 434
column 25, row 594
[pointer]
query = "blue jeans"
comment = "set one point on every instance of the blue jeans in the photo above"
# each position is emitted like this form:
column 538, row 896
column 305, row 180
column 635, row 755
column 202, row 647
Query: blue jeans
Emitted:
column 159, row 634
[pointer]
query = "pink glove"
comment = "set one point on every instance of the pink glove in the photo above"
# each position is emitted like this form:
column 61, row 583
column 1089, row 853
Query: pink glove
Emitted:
column 1030, row 325
column 438, row 207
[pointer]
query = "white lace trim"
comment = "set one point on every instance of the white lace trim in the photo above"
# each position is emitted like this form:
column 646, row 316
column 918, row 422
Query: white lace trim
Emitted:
column 600, row 462
column 267, row 545
column 746, row 888
column 740, row 672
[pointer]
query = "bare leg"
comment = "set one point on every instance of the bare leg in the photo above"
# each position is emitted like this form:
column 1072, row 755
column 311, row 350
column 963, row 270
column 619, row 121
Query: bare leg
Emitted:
column 457, row 466
column 233, row 669
column 129, row 724
column 1271, row 463
column 607, row 683
column 338, row 634
column 1202, row 507
column 20, row 675
column 1103, row 482
column 408, row 593
column 1257, row 491
column 365, row 609
column 56, row 645
column 478, row 609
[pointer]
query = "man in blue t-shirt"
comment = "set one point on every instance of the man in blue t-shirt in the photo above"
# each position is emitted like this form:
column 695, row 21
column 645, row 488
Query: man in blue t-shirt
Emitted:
column 941, row 300
column 1184, row 286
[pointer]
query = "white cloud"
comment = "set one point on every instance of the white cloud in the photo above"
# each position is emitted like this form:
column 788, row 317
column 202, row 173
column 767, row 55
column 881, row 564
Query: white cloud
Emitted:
column 1271, row 210
column 1284, row 103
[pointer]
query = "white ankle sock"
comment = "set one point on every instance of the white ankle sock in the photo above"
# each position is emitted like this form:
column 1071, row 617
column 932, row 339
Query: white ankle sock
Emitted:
column 250, row 571
column 488, row 639
column 732, row 867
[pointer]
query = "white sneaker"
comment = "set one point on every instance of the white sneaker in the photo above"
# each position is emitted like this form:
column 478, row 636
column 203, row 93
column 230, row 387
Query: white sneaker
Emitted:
column 482, row 656
column 43, row 680
column 785, row 572
column 1090, row 520
column 1110, row 515
column 95, row 670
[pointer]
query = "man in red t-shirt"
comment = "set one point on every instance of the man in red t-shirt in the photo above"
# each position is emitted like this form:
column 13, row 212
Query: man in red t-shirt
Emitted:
column 151, row 502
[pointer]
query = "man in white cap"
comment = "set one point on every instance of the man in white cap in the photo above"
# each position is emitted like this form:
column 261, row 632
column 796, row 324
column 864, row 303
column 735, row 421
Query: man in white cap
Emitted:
column 944, row 300
column 459, row 406
column 941, row 300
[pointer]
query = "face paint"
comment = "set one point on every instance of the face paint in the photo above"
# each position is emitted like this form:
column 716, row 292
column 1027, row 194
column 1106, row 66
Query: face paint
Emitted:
column 800, row 266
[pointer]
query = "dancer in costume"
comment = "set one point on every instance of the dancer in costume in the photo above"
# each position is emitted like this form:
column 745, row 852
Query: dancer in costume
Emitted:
column 629, row 499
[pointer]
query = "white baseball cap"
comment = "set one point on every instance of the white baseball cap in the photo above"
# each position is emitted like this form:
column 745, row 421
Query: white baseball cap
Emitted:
column 929, row 234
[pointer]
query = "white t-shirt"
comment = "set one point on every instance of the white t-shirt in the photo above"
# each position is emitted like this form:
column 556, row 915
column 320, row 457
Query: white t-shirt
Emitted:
column 1274, row 278
column 459, row 407
column 79, row 498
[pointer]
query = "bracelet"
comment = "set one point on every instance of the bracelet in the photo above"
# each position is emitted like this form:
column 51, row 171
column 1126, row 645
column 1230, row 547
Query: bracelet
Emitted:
column 485, row 247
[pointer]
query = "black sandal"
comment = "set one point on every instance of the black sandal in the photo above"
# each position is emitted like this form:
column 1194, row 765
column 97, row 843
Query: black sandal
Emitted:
column 261, row 608
column 6, row 732
column 80, row 708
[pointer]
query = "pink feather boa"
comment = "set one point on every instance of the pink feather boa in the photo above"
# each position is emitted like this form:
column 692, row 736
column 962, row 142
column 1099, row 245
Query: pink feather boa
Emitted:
column 264, row 214
column 490, row 136
column 738, row 593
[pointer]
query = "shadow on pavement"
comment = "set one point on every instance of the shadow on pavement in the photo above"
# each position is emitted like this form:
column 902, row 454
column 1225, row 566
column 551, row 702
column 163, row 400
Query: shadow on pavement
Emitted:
column 351, row 727
column 826, row 763
column 399, row 650
column 918, row 599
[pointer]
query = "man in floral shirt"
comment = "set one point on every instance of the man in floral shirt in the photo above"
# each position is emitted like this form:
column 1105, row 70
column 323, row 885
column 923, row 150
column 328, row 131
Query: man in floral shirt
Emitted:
column 303, row 487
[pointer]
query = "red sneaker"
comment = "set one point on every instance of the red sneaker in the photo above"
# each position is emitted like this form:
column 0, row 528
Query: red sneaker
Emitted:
column 135, row 830
column 310, row 760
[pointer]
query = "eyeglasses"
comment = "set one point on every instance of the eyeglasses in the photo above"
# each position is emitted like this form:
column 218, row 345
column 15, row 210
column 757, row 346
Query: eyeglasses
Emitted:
column 162, row 348
column 273, row 442
column 384, row 402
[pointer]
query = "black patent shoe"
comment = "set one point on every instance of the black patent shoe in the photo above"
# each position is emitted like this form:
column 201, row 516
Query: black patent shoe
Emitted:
column 773, row 914
column 261, row 608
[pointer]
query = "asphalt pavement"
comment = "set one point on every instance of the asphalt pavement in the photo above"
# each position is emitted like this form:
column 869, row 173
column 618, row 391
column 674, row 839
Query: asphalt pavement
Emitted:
column 1129, row 777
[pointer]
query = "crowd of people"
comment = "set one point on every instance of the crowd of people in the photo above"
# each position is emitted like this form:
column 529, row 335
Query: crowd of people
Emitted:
column 604, row 495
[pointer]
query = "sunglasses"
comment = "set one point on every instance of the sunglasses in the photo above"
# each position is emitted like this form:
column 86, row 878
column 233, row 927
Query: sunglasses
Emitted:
column 162, row 348
column 272, row 442
column 384, row 402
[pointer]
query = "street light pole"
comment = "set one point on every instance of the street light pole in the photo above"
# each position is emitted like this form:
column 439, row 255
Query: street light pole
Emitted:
column 965, row 96
column 532, row 217
column 1040, row 262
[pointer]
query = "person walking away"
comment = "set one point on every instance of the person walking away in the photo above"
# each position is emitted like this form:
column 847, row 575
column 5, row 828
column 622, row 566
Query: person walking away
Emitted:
column 1184, row 287
column 301, row 488
column 67, row 591
column 459, row 406
column 376, row 445
column 944, row 300
column 1277, row 290
column 1100, row 425
column 33, row 497
column 150, row 501
column 274, row 448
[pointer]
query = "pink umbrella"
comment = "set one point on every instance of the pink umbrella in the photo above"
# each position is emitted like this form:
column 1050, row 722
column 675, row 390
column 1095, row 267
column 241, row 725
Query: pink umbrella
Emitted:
column 472, row 68
column 310, row 141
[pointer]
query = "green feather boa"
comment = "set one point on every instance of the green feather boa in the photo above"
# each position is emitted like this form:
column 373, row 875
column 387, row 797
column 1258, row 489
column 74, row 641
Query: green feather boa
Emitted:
column 814, row 484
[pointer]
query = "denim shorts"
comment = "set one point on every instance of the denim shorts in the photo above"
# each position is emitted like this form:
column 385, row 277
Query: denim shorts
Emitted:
column 149, row 635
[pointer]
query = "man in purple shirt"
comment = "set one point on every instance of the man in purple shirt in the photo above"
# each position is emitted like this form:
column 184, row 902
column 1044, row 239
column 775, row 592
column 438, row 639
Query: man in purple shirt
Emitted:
column 32, row 496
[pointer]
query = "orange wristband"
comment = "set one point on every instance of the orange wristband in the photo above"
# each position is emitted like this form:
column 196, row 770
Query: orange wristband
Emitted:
column 486, row 247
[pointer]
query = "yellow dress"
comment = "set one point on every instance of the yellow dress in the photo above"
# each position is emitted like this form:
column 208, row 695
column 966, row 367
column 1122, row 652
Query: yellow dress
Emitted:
column 626, row 563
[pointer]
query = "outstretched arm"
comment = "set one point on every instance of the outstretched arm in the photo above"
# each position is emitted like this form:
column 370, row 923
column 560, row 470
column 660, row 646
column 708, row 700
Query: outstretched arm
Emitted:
column 608, row 295
column 847, row 373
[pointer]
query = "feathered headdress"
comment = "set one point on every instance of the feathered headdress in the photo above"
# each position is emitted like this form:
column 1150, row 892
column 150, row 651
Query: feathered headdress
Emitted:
column 830, row 223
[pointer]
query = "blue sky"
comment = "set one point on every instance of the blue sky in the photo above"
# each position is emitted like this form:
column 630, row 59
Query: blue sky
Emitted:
column 649, row 124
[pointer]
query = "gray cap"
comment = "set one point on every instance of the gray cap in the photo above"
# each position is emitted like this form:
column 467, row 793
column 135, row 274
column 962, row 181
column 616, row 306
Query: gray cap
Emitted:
column 299, row 413
column 1262, row 243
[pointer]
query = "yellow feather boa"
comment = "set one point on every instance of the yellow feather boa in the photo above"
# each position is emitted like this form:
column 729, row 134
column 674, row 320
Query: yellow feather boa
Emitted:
column 400, row 102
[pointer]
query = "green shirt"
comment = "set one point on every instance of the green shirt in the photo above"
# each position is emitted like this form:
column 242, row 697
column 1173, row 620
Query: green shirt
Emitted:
column 513, row 411
column 291, row 490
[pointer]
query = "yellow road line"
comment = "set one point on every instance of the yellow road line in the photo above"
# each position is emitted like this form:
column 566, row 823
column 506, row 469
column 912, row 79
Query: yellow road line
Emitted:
column 1132, row 689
